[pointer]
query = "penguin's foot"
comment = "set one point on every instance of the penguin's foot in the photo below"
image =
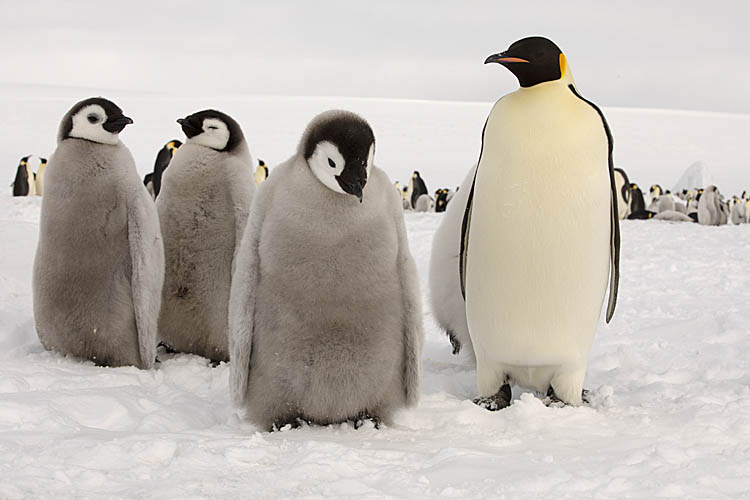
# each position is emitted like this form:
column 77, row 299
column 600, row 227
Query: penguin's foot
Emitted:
column 167, row 348
column 454, row 341
column 285, row 425
column 554, row 401
column 364, row 417
column 497, row 401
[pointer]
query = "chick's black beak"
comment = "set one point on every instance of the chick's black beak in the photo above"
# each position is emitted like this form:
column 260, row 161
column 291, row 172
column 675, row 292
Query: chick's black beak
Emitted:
column 189, row 128
column 356, row 190
column 115, row 124
column 504, row 58
column 353, row 184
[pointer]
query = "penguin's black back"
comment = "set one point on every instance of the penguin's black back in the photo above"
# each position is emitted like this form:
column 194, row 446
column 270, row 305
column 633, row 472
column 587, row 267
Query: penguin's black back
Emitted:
column 161, row 163
column 21, row 184
column 419, row 189
column 637, row 204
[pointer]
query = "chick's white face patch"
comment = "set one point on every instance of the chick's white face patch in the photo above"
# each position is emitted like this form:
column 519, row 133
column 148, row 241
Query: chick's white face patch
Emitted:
column 370, row 159
column 215, row 134
column 326, row 163
column 88, row 124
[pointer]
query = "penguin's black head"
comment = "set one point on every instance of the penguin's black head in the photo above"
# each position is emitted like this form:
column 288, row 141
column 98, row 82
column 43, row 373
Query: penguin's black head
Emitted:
column 172, row 146
column 25, row 160
column 533, row 60
column 261, row 163
column 212, row 129
column 339, row 147
column 95, row 119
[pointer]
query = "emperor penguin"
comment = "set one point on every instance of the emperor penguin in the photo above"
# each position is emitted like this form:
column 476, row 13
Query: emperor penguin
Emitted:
column 39, row 177
column 24, row 184
column 637, row 204
column 163, row 158
column 417, row 188
column 623, row 193
column 709, row 207
column 203, row 207
column 99, row 264
column 325, row 315
column 535, row 276
column 654, row 192
column 261, row 172
column 441, row 200
column 446, row 299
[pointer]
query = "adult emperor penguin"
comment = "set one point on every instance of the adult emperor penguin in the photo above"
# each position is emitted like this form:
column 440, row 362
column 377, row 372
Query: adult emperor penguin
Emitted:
column 535, row 276
column 261, row 172
column 99, row 263
column 441, row 200
column 163, row 158
column 623, row 193
column 417, row 188
column 637, row 203
column 23, row 185
column 325, row 316
column 446, row 299
column 205, row 197
column 39, row 177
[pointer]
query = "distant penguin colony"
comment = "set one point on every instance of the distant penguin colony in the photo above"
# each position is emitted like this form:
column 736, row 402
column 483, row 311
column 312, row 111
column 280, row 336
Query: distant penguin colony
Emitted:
column 203, row 207
column 99, row 264
column 325, row 318
column 520, row 257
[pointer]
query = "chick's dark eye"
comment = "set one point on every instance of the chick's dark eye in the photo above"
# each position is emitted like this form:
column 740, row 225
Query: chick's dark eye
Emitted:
column 92, row 118
column 211, row 127
column 331, row 163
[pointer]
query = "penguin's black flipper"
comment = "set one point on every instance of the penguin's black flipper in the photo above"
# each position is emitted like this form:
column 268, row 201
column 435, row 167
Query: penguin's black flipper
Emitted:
column 614, row 239
column 466, row 223
column 455, row 342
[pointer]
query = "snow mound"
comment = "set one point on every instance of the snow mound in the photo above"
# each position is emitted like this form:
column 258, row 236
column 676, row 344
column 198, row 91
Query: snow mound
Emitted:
column 696, row 175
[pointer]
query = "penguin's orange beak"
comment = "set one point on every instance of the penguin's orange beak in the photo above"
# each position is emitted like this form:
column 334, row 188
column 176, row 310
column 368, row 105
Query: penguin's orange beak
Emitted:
column 503, row 58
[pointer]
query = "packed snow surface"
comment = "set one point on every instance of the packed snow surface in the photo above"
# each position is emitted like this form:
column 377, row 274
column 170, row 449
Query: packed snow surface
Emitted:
column 669, row 418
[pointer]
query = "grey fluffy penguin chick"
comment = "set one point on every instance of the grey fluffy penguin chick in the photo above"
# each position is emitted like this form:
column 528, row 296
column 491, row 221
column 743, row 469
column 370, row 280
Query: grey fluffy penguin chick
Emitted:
column 325, row 316
column 709, row 207
column 424, row 203
column 99, row 265
column 203, row 206
column 448, row 304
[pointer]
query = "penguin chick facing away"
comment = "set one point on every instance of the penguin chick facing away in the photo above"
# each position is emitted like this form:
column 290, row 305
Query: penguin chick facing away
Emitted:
column 448, row 304
column 205, row 198
column 99, row 264
column 535, row 275
column 325, row 315
column 163, row 158
column 22, row 185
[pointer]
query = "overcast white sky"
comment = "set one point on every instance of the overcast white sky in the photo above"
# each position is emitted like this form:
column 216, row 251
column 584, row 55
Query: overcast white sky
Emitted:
column 669, row 54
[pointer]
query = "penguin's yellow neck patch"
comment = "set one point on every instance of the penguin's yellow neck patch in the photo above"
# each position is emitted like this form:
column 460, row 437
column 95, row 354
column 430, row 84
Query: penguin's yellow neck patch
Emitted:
column 563, row 65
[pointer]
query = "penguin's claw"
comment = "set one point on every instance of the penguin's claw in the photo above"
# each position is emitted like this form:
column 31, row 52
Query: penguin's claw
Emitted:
column 498, row 401
column 364, row 417
column 555, row 402
column 454, row 341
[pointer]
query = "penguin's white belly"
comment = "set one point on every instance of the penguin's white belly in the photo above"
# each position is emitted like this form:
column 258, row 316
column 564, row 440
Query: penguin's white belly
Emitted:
column 538, row 252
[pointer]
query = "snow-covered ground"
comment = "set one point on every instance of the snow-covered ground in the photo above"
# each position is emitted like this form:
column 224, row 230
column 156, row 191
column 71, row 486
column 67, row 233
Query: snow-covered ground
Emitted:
column 670, row 376
column 670, row 415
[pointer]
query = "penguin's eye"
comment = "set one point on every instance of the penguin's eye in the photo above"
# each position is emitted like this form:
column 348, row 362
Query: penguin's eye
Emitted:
column 92, row 118
column 331, row 163
column 213, row 127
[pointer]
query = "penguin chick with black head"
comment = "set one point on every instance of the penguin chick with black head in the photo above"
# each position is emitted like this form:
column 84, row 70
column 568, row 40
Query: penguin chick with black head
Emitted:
column 325, row 315
column 24, row 183
column 99, row 263
column 203, row 206
column 163, row 158
column 534, row 274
